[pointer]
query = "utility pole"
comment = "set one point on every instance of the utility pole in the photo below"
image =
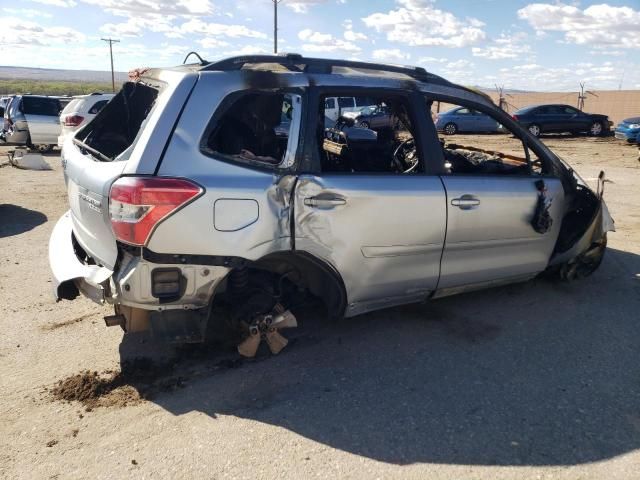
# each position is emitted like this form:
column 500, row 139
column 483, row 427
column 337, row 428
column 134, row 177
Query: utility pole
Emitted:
column 275, row 25
column 111, row 42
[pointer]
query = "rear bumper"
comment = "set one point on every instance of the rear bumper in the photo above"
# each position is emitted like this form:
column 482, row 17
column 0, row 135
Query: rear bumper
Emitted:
column 70, row 275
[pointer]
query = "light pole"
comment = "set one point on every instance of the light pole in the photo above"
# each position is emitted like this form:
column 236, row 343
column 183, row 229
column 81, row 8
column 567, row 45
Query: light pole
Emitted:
column 275, row 25
column 111, row 42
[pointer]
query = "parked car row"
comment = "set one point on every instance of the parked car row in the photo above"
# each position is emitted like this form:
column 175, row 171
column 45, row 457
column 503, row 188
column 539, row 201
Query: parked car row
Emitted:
column 41, row 122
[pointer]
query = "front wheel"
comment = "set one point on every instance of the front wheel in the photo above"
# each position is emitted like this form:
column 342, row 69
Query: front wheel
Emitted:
column 596, row 129
column 364, row 125
column 450, row 129
column 534, row 130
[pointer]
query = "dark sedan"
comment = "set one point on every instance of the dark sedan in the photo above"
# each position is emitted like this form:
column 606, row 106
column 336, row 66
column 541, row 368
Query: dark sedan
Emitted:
column 561, row 118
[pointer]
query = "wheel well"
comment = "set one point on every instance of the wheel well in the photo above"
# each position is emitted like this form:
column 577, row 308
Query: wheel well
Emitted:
column 313, row 274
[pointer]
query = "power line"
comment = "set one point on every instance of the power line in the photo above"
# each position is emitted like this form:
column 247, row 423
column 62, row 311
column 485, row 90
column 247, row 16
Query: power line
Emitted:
column 111, row 42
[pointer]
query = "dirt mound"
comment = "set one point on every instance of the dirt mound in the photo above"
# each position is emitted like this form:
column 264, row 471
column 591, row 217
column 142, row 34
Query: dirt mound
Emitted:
column 136, row 381
column 139, row 379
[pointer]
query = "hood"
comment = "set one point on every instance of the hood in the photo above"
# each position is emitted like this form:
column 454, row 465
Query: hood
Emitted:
column 631, row 120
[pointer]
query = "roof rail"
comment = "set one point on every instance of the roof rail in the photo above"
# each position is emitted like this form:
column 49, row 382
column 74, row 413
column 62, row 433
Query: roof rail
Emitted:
column 294, row 61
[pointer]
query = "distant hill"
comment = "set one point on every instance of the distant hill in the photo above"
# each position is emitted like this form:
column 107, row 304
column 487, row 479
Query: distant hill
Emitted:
column 51, row 74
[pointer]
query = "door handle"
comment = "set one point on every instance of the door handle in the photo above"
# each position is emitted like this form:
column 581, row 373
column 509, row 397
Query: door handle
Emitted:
column 465, row 202
column 324, row 202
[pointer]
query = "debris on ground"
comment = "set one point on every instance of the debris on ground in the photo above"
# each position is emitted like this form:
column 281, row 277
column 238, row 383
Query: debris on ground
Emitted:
column 51, row 443
column 26, row 160
column 138, row 380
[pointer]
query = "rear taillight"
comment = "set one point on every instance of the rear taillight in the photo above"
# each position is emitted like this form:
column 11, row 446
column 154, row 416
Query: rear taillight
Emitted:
column 73, row 120
column 515, row 117
column 137, row 204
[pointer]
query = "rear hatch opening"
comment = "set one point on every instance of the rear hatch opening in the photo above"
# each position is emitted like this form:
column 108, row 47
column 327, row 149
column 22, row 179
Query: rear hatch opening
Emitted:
column 116, row 127
column 99, row 156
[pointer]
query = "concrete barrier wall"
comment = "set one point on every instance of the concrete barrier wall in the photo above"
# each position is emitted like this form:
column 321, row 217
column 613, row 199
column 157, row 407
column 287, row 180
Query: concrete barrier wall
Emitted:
column 617, row 104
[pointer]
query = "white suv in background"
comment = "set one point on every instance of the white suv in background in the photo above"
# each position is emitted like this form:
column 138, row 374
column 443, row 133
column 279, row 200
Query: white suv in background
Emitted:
column 81, row 111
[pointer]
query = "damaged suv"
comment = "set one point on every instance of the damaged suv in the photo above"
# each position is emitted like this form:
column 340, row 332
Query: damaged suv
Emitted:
column 214, row 194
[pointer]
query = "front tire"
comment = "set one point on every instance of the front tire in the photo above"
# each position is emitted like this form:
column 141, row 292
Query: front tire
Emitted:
column 596, row 129
column 364, row 125
column 534, row 129
column 450, row 128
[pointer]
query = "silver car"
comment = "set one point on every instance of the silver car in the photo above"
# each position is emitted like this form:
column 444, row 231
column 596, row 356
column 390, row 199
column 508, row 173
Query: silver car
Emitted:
column 214, row 195
column 32, row 120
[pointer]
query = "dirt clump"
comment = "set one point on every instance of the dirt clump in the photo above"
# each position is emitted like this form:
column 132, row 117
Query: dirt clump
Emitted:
column 136, row 381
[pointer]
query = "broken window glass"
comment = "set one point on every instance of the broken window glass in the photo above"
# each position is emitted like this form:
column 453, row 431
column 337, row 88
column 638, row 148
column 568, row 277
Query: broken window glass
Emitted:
column 257, row 128
column 474, row 142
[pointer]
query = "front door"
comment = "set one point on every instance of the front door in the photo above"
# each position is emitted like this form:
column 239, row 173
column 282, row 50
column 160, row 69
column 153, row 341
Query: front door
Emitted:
column 489, row 232
column 42, row 115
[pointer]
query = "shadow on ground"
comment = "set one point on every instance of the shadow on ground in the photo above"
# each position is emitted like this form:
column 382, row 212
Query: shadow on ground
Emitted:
column 539, row 373
column 15, row 219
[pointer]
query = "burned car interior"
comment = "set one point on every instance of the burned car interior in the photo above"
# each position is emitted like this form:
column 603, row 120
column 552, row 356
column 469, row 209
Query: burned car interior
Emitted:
column 471, row 154
column 348, row 147
column 254, row 128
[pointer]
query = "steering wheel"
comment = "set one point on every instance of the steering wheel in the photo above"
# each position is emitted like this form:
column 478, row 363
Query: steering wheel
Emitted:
column 405, row 156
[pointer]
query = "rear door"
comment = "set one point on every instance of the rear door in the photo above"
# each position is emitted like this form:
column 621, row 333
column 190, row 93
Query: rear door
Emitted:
column 42, row 115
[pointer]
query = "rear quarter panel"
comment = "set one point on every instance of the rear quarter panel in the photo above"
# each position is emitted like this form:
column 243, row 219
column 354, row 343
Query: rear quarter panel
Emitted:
column 192, row 230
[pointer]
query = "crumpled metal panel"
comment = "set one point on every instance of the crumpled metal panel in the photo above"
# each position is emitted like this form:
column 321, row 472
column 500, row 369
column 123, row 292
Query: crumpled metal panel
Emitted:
column 385, row 259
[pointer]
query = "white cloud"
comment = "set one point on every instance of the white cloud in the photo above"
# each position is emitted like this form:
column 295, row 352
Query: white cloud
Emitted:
column 212, row 43
column 27, row 12
column 505, row 46
column 597, row 25
column 418, row 23
column 197, row 26
column 432, row 60
column 139, row 8
column 302, row 6
column 57, row 3
column 135, row 26
column 606, row 75
column 19, row 32
column 390, row 55
column 317, row 42
column 349, row 34
column 309, row 35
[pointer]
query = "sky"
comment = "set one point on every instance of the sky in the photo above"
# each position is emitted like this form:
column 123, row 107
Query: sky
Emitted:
column 546, row 46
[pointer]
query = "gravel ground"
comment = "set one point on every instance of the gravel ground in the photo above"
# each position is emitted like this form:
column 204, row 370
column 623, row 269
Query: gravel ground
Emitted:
column 531, row 381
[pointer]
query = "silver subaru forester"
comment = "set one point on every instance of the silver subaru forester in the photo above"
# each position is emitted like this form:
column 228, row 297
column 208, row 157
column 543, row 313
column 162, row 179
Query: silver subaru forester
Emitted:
column 217, row 193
